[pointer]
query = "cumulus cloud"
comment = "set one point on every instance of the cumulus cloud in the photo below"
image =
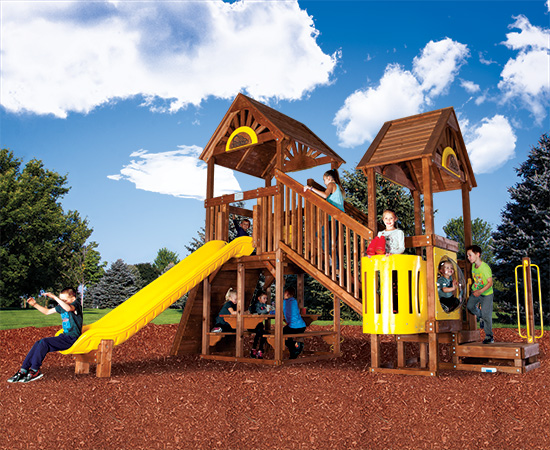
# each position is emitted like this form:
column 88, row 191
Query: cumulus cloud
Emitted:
column 470, row 86
column 359, row 119
column 400, row 92
column 179, row 173
column 61, row 57
column 491, row 144
column 527, row 77
column 438, row 64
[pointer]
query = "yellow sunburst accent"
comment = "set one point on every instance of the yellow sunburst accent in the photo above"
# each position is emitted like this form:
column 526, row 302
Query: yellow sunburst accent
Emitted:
column 449, row 160
column 241, row 137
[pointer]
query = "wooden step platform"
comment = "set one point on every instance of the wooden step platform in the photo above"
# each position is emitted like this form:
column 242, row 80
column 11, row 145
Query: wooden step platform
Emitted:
column 510, row 357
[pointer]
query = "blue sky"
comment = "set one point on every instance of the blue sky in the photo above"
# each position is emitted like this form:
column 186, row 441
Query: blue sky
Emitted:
column 122, row 96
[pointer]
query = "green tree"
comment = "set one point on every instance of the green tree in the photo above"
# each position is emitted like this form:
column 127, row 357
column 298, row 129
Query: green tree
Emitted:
column 119, row 283
column 165, row 257
column 481, row 235
column 38, row 240
column 525, row 228
column 147, row 273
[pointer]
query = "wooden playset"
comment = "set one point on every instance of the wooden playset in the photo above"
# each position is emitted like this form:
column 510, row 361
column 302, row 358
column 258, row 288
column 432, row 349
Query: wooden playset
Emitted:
column 396, row 295
column 424, row 153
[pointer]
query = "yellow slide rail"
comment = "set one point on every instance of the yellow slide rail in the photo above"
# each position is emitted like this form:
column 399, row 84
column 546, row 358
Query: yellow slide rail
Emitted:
column 528, row 298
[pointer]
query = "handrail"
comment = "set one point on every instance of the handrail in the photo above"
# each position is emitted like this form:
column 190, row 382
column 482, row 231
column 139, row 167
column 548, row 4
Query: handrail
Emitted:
column 324, row 205
column 528, row 297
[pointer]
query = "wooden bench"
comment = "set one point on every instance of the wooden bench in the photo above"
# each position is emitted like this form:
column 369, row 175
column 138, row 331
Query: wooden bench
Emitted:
column 214, row 338
column 328, row 336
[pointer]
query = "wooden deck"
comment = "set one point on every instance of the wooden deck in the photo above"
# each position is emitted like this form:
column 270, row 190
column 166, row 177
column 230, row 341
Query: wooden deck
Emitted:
column 510, row 357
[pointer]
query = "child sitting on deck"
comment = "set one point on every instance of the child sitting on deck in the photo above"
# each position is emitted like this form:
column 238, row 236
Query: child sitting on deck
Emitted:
column 447, row 286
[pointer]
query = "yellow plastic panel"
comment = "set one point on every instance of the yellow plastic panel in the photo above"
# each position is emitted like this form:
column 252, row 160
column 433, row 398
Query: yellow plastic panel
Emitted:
column 439, row 313
column 136, row 312
column 394, row 294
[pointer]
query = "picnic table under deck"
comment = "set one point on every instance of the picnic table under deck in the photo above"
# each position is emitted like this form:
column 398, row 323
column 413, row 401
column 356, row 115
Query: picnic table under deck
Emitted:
column 250, row 321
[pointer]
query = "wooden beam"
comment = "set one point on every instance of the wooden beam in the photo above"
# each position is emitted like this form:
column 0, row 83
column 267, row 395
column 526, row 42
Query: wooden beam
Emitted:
column 206, row 293
column 241, row 286
column 247, row 195
column 371, row 200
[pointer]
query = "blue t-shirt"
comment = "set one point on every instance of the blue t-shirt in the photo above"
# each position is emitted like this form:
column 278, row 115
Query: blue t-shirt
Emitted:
column 71, row 321
column 337, row 198
column 292, row 313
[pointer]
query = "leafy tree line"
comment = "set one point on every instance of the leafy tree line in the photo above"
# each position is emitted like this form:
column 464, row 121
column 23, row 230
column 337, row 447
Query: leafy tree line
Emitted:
column 41, row 245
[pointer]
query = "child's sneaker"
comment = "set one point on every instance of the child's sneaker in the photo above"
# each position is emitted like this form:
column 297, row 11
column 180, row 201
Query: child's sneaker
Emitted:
column 216, row 330
column 253, row 353
column 489, row 340
column 32, row 375
column 17, row 377
column 259, row 354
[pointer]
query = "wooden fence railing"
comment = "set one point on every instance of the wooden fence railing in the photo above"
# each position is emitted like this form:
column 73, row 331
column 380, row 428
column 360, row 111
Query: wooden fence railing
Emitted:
column 326, row 237
column 328, row 240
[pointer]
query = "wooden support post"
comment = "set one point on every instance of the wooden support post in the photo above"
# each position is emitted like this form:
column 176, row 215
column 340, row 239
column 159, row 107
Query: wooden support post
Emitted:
column 209, row 231
column 240, row 309
column 336, row 325
column 417, row 217
column 206, row 292
column 104, row 357
column 433, row 361
column 423, row 354
column 371, row 200
column 471, row 321
column 300, row 284
column 279, row 287
column 375, row 351
column 82, row 362
column 400, row 353
column 256, row 228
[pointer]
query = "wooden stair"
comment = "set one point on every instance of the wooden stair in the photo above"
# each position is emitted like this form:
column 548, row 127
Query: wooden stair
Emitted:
column 510, row 357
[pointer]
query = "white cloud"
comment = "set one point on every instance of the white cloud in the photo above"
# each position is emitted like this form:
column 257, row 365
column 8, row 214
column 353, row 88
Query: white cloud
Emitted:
column 491, row 144
column 438, row 64
column 400, row 92
column 179, row 173
column 470, row 86
column 527, row 77
column 61, row 57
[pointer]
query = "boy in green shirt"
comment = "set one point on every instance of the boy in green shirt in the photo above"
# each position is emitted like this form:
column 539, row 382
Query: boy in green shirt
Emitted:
column 480, row 303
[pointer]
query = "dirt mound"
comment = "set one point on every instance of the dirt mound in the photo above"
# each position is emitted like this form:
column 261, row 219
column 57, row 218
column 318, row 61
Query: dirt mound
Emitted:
column 153, row 401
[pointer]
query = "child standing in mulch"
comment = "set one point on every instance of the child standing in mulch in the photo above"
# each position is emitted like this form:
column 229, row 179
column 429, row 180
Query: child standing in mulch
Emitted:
column 480, row 303
column 71, row 317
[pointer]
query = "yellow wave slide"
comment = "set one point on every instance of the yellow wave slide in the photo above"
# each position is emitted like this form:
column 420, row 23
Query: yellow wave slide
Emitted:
column 129, row 317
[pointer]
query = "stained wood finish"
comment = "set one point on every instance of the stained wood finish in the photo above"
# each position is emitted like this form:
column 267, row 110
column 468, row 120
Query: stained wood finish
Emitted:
column 302, row 148
column 401, row 144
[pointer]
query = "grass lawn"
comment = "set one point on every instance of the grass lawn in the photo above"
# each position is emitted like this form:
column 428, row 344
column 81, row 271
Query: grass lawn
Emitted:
column 20, row 318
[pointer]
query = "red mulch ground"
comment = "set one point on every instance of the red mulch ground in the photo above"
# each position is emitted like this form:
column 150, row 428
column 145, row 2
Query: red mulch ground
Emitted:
column 157, row 402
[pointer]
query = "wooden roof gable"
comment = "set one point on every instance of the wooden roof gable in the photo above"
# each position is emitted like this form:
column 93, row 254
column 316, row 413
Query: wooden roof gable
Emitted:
column 398, row 149
column 246, row 140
